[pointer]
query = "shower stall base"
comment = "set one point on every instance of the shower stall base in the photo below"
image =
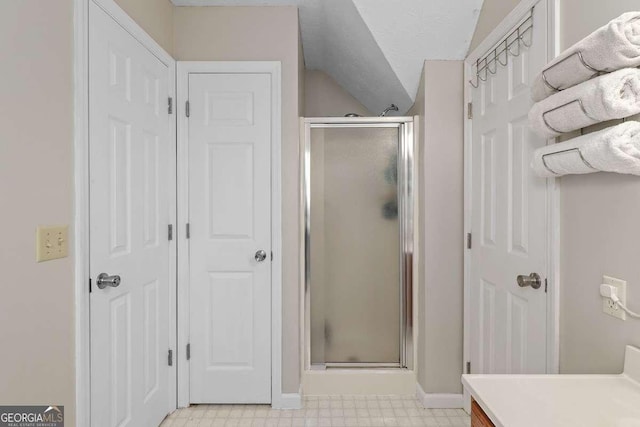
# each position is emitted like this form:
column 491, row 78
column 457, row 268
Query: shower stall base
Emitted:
column 358, row 382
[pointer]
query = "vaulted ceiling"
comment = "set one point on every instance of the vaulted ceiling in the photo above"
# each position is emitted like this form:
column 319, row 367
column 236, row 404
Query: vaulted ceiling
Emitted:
column 375, row 48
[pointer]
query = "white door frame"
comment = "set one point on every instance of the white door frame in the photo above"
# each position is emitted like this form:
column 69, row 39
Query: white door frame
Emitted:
column 553, row 188
column 184, row 68
column 81, row 189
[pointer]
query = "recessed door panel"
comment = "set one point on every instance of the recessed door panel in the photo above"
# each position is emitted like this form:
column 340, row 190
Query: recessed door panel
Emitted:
column 488, row 183
column 518, row 188
column 231, row 320
column 119, row 185
column 120, row 357
column 151, row 189
column 230, row 170
column 151, row 338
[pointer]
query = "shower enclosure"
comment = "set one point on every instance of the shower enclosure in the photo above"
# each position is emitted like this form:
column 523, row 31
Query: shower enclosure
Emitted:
column 358, row 220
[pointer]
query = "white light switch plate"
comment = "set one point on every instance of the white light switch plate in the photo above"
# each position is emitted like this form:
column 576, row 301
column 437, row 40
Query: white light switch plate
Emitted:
column 607, row 304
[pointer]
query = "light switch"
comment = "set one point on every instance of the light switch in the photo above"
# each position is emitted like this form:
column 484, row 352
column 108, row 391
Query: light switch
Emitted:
column 51, row 243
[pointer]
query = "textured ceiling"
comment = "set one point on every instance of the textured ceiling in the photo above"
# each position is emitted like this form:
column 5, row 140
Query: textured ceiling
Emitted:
column 375, row 48
column 410, row 31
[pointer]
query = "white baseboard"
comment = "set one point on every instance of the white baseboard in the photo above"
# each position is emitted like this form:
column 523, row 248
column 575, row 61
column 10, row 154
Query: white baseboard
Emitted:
column 439, row 400
column 288, row 401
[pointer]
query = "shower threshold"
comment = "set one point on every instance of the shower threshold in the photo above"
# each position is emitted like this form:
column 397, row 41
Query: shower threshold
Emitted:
column 356, row 381
column 354, row 365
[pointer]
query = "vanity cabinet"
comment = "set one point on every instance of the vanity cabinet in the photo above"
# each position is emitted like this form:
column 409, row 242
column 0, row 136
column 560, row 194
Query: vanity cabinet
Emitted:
column 478, row 417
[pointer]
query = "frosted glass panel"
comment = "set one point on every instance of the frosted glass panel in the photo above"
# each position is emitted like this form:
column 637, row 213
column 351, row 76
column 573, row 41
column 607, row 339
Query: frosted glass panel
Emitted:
column 354, row 253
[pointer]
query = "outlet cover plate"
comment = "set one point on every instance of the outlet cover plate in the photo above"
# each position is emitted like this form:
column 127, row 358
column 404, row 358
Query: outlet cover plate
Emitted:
column 607, row 303
column 51, row 243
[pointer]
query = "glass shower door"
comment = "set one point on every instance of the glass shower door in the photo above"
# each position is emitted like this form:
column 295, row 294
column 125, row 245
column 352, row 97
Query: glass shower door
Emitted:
column 354, row 241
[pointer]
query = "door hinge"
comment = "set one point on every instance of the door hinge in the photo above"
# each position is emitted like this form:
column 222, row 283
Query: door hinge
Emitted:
column 186, row 108
column 469, row 111
column 189, row 351
column 89, row 284
column 469, row 240
column 546, row 285
column 170, row 357
column 170, row 106
column 468, row 367
column 170, row 232
column 188, row 231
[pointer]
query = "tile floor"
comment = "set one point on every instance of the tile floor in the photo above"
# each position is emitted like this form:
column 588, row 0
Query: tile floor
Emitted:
column 319, row 411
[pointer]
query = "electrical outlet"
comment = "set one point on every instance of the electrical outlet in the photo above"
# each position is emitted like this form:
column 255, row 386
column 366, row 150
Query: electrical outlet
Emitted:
column 51, row 243
column 607, row 303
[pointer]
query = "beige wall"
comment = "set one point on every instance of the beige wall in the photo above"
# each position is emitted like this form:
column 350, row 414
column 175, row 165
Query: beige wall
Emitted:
column 418, row 109
column 600, row 231
column 493, row 11
column 261, row 34
column 301, row 78
column 155, row 17
column 36, row 143
column 439, row 103
column 324, row 97
column 599, row 224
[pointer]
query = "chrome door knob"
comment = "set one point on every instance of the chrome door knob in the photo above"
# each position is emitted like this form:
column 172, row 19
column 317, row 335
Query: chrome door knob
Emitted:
column 260, row 255
column 105, row 280
column 532, row 280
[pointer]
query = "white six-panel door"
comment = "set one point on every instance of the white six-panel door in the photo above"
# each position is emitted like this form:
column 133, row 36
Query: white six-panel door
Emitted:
column 509, row 222
column 130, row 199
column 229, row 144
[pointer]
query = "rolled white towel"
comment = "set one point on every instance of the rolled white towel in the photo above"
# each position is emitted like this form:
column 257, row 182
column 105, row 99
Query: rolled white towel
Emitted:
column 608, row 97
column 609, row 48
column 614, row 149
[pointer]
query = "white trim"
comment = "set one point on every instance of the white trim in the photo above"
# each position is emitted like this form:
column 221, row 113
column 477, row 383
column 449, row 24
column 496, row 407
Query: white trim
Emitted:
column 81, row 187
column 358, row 120
column 438, row 400
column 466, row 322
column 81, row 212
column 553, row 211
column 183, row 244
column 290, row 401
column 553, row 205
column 184, row 68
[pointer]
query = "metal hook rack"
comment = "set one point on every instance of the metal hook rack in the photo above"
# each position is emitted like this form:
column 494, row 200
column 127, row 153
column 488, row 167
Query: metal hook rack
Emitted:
column 490, row 61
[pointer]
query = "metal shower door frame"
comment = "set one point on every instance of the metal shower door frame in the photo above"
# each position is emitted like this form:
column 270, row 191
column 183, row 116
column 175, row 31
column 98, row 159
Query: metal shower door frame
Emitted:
column 406, row 144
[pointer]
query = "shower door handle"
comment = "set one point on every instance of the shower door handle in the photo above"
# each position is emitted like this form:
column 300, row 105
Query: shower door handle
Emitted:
column 260, row 255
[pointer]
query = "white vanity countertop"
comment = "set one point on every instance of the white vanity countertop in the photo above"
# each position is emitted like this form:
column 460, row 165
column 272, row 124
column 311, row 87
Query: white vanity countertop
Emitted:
column 561, row 400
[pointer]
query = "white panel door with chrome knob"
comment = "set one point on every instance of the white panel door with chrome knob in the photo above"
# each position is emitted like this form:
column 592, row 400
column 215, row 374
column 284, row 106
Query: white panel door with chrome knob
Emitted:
column 131, row 160
column 508, row 257
column 229, row 144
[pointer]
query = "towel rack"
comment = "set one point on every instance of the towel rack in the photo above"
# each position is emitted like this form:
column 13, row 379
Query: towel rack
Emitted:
column 578, row 101
column 582, row 61
column 544, row 159
column 584, row 111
